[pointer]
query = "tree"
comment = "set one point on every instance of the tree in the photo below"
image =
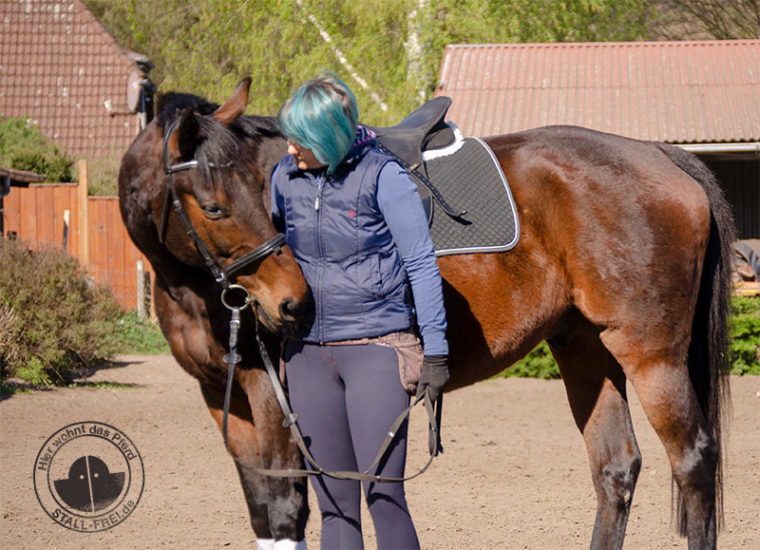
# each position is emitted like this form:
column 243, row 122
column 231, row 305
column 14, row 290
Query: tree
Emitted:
column 23, row 147
column 389, row 51
column 720, row 19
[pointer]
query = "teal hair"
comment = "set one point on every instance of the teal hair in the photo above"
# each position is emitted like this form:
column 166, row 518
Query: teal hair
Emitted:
column 321, row 116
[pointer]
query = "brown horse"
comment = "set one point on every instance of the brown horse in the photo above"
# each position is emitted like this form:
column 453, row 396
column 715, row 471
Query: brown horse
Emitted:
column 622, row 266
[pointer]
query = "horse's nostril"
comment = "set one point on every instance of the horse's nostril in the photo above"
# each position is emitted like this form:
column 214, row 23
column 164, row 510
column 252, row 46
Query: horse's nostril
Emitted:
column 288, row 309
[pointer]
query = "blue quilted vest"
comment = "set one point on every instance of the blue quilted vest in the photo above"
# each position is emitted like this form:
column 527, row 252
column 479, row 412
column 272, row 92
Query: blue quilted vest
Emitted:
column 339, row 238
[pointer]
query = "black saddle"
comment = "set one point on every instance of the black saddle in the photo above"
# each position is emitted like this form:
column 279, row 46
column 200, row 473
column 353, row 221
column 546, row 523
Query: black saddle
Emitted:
column 422, row 130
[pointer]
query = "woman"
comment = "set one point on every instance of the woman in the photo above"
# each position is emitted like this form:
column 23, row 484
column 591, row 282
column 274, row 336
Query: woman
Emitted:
column 355, row 223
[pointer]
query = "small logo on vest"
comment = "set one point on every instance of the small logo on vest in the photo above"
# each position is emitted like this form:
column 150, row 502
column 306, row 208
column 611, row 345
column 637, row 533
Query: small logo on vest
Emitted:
column 88, row 476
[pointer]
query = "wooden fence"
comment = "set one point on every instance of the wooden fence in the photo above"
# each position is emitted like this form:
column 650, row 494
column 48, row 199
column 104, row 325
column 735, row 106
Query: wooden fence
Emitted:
column 89, row 228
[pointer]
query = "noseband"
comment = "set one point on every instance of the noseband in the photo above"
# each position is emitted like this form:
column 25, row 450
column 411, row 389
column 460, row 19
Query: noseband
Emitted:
column 220, row 273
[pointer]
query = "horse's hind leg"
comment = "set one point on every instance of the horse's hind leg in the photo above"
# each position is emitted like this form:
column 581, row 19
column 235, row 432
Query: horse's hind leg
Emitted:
column 595, row 387
column 667, row 396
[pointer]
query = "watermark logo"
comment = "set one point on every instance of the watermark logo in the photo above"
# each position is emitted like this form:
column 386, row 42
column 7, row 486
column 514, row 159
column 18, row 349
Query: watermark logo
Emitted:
column 88, row 476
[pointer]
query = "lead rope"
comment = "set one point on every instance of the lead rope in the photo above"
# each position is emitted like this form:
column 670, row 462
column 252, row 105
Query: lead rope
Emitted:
column 233, row 358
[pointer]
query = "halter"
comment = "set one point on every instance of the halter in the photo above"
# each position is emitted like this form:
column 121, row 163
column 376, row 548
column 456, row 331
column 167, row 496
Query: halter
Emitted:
column 220, row 273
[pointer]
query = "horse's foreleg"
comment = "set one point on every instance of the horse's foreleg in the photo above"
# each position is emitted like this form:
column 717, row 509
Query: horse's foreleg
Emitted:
column 596, row 391
column 270, row 520
column 287, row 496
column 244, row 448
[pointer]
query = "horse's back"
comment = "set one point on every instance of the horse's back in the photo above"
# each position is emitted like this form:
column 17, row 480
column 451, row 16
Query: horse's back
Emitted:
column 583, row 181
column 607, row 165
column 628, row 226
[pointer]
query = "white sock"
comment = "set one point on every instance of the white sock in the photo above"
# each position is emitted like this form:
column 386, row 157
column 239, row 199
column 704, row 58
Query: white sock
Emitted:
column 264, row 544
column 288, row 544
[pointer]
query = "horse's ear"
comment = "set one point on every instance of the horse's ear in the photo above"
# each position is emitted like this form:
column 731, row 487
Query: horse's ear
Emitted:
column 184, row 140
column 236, row 104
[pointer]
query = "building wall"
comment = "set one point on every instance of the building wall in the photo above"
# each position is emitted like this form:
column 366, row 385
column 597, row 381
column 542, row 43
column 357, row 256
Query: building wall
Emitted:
column 740, row 180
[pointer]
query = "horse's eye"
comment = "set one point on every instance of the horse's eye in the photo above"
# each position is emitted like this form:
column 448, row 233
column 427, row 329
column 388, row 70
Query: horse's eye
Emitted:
column 213, row 210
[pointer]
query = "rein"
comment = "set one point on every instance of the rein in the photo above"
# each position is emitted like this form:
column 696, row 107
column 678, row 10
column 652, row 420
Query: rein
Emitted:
column 434, row 418
column 222, row 276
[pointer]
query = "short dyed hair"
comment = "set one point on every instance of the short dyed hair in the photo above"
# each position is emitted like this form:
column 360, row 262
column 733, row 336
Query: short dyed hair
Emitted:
column 322, row 116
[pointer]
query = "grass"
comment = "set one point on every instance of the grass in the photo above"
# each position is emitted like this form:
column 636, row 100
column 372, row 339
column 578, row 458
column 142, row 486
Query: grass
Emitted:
column 104, row 385
column 13, row 387
column 9, row 388
column 130, row 334
column 135, row 335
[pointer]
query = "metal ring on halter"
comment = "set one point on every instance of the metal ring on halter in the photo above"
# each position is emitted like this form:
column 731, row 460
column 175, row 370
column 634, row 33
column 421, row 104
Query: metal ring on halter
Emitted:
column 246, row 300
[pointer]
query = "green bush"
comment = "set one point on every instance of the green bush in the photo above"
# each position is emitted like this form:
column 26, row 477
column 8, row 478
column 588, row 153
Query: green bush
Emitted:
column 744, row 347
column 539, row 363
column 744, row 351
column 23, row 147
column 55, row 322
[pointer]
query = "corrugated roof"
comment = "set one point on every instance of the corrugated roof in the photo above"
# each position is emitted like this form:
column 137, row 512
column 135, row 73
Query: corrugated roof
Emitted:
column 678, row 92
column 60, row 67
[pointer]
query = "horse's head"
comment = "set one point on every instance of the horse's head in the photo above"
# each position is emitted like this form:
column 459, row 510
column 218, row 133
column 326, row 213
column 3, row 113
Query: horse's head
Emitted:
column 212, row 210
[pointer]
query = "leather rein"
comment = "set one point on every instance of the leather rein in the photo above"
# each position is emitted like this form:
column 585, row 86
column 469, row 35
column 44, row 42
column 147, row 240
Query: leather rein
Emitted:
column 236, row 298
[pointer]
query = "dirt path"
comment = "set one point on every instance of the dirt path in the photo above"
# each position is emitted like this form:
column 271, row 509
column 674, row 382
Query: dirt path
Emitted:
column 514, row 473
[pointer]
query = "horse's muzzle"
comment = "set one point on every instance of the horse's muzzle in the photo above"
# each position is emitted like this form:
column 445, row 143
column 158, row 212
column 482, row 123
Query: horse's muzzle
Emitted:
column 296, row 315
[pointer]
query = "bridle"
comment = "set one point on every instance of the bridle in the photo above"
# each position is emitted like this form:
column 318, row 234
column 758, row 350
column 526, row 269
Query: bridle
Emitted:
column 221, row 274
column 236, row 298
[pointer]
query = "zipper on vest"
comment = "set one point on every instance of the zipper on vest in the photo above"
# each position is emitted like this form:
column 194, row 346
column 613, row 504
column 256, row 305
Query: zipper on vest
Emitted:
column 321, row 259
column 320, row 186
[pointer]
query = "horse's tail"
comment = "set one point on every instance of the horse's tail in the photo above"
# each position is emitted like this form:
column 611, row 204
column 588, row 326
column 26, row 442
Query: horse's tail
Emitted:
column 708, row 352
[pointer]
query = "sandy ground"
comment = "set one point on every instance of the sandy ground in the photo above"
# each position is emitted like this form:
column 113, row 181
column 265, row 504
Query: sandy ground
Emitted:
column 513, row 475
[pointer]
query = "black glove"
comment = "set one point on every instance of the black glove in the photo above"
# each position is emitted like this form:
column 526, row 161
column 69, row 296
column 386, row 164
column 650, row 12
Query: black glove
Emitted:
column 434, row 376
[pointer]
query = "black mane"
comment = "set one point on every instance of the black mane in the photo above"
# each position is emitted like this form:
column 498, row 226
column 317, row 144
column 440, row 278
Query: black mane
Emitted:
column 220, row 145
column 171, row 104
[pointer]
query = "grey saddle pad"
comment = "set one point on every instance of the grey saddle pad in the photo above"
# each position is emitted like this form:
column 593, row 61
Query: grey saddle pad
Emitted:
column 471, row 179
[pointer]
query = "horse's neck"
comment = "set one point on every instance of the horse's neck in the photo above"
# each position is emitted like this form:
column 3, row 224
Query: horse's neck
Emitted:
column 269, row 152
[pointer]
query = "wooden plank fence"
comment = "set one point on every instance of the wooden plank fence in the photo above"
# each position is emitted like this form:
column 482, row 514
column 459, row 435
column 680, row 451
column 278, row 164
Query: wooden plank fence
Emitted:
column 89, row 228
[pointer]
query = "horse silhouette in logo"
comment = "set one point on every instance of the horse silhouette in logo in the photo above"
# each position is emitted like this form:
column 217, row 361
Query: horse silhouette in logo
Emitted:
column 90, row 487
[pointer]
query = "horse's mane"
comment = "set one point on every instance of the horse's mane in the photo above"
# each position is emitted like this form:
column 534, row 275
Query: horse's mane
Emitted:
column 220, row 144
column 170, row 104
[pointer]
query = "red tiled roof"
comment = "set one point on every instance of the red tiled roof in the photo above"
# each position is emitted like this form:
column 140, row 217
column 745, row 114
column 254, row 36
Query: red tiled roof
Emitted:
column 678, row 92
column 60, row 67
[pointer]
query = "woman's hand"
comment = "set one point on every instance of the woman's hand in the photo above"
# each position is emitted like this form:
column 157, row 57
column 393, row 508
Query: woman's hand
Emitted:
column 434, row 376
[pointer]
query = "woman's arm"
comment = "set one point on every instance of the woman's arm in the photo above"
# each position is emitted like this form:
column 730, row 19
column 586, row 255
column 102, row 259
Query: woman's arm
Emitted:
column 402, row 209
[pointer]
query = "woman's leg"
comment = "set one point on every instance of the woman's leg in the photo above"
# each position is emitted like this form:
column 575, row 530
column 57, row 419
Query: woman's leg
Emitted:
column 374, row 399
column 317, row 395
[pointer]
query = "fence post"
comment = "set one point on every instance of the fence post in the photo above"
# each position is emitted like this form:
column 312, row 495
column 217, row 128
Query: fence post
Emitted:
column 66, row 224
column 140, row 289
column 83, row 219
